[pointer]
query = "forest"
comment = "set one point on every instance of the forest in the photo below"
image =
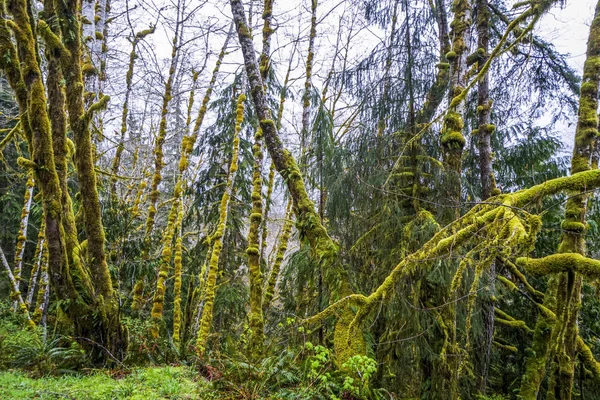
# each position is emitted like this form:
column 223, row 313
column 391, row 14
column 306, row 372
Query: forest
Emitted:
column 309, row 199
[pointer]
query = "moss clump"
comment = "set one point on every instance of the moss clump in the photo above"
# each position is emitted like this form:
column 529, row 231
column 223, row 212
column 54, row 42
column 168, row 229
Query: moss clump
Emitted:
column 451, row 56
column 453, row 139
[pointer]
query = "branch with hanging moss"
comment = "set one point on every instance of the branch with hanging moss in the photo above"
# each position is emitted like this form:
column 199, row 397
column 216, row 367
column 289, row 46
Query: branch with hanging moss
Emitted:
column 485, row 222
column 507, row 320
column 217, row 237
column 10, row 135
column 562, row 262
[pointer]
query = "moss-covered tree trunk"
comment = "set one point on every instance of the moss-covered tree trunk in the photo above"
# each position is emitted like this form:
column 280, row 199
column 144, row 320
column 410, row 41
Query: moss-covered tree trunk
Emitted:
column 570, row 283
column 452, row 139
column 217, row 237
column 566, row 286
column 175, row 217
column 109, row 332
column 31, row 96
column 488, row 183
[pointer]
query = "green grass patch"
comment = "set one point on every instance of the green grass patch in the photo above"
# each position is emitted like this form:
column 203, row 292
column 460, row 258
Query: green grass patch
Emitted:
column 143, row 384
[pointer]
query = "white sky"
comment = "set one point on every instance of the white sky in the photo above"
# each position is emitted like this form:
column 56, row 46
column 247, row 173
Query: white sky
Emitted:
column 568, row 28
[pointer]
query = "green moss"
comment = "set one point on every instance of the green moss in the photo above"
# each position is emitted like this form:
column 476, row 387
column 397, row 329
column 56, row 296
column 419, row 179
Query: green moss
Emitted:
column 573, row 226
column 453, row 139
column 561, row 263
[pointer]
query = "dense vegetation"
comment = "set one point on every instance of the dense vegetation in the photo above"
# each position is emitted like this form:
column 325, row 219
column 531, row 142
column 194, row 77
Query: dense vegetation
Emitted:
column 375, row 205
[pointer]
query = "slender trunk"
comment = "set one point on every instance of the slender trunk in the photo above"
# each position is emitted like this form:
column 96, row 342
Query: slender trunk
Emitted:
column 125, row 109
column 256, row 320
column 37, row 263
column 308, row 85
column 177, row 261
column 22, row 234
column 43, row 294
column 286, row 231
column 14, row 290
column 308, row 220
column 217, row 238
column 162, row 130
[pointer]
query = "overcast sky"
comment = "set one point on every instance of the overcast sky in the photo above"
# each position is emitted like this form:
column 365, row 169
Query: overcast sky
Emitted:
column 568, row 29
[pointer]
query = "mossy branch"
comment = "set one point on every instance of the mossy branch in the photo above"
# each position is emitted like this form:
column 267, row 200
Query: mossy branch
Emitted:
column 563, row 262
column 96, row 107
column 51, row 39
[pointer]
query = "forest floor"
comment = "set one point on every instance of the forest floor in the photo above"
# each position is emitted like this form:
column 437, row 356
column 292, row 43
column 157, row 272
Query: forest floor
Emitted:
column 143, row 384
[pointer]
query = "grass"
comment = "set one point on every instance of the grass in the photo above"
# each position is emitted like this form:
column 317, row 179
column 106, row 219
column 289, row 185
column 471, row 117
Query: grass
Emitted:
column 142, row 384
